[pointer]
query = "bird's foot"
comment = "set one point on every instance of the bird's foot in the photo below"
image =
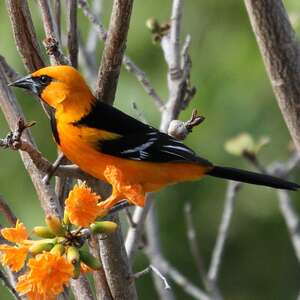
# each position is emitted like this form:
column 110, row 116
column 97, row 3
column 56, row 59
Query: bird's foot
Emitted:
column 134, row 193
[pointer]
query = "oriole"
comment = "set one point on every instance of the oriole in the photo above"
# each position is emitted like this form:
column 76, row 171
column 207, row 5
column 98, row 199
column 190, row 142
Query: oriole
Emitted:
column 133, row 157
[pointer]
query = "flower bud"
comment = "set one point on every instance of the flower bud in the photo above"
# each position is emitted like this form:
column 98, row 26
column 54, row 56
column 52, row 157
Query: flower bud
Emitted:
column 103, row 227
column 73, row 255
column 43, row 232
column 55, row 225
column 58, row 249
column 40, row 246
column 178, row 130
column 89, row 260
column 152, row 24
column 76, row 271
column 66, row 218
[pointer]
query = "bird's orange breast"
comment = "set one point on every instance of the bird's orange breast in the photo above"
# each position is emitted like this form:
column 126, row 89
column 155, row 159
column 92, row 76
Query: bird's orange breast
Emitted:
column 79, row 144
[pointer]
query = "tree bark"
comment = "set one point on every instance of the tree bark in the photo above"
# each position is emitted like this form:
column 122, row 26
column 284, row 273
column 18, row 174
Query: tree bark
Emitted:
column 281, row 55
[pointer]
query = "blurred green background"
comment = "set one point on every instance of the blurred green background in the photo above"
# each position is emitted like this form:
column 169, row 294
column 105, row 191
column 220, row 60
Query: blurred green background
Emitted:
column 234, row 95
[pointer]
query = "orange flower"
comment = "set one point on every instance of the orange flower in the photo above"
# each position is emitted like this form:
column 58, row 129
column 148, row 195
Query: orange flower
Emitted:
column 46, row 278
column 15, row 235
column 14, row 256
column 81, row 205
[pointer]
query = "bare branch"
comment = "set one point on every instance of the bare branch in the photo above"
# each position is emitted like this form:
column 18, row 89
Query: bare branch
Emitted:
column 135, row 232
column 117, row 268
column 127, row 62
column 119, row 206
column 177, row 277
column 9, row 286
column 280, row 51
column 52, row 41
column 154, row 253
column 101, row 285
column 81, row 289
column 24, row 34
column 7, row 212
column 192, row 238
column 13, row 113
column 174, row 66
column 57, row 17
column 218, row 251
column 113, row 52
column 180, row 92
column 72, row 32
column 291, row 219
column 10, row 73
column 156, row 272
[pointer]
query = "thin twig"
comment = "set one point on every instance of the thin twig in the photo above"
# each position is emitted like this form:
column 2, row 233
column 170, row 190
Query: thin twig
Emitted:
column 120, row 206
column 55, row 166
column 291, row 219
column 72, row 32
column 218, row 250
column 9, row 286
column 57, row 17
column 10, row 73
column 135, row 232
column 127, row 62
column 7, row 212
column 156, row 271
column 51, row 42
column 167, row 269
column 210, row 286
column 192, row 238
column 154, row 253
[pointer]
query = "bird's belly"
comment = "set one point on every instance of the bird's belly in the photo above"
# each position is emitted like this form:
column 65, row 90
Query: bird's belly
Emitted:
column 152, row 176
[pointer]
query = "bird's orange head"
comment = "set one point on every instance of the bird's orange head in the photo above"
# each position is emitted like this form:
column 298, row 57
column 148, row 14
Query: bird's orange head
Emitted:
column 62, row 87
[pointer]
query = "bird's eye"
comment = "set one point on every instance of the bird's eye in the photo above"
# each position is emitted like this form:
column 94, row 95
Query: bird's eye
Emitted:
column 44, row 79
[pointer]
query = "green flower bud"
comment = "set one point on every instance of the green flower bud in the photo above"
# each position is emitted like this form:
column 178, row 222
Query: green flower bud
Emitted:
column 66, row 218
column 43, row 232
column 153, row 25
column 103, row 227
column 89, row 260
column 55, row 225
column 76, row 271
column 73, row 255
column 58, row 249
column 40, row 246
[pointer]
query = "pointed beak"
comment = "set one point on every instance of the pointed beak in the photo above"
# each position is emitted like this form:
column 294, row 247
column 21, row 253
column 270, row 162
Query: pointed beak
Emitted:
column 27, row 83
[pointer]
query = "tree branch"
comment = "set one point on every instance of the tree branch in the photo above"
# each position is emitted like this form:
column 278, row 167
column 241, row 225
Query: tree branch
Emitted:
column 72, row 32
column 81, row 289
column 13, row 113
column 218, row 251
column 7, row 212
column 113, row 52
column 127, row 62
column 280, row 51
column 24, row 34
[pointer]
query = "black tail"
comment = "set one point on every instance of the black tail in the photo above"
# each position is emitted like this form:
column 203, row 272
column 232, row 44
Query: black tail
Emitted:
column 253, row 178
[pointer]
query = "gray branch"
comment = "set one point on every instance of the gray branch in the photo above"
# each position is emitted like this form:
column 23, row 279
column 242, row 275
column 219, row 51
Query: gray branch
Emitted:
column 280, row 51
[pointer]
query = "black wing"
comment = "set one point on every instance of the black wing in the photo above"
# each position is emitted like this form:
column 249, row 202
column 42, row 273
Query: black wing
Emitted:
column 138, row 141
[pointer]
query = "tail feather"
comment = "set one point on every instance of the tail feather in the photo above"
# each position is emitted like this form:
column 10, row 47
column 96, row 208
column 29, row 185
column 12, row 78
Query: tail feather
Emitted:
column 252, row 177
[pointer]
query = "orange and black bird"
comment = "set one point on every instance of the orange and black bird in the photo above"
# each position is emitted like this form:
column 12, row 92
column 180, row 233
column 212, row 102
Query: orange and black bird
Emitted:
column 108, row 144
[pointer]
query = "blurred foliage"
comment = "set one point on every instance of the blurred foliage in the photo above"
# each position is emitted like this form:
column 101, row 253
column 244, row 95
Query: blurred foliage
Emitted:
column 235, row 96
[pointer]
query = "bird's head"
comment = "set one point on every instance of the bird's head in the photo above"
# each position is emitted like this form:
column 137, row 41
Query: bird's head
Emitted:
column 59, row 86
